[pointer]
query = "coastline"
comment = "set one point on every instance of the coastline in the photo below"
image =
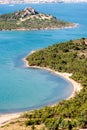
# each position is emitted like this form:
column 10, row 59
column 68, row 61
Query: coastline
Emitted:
column 77, row 86
column 4, row 119
column 74, row 25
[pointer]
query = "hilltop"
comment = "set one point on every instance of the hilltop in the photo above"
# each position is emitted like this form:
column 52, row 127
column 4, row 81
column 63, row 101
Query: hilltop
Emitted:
column 30, row 19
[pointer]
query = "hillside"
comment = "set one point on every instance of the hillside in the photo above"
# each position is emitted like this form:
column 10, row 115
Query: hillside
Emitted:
column 29, row 19
column 70, row 114
column 65, row 57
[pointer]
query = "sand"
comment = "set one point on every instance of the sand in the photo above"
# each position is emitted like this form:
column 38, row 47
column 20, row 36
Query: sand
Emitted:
column 7, row 117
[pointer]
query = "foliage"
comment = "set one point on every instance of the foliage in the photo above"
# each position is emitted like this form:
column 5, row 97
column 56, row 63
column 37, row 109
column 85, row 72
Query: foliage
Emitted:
column 65, row 57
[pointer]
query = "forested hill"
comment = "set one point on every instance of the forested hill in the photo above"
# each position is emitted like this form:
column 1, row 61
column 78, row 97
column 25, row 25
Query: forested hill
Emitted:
column 68, row 57
column 29, row 19
column 70, row 114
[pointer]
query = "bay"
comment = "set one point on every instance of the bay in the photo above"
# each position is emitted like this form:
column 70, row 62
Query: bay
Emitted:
column 25, row 89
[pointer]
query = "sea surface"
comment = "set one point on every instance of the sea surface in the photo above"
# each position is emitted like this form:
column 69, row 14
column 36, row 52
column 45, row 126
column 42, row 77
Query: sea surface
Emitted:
column 22, row 88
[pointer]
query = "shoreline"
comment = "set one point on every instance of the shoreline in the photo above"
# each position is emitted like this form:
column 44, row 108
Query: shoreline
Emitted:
column 66, row 76
column 74, row 25
column 6, row 118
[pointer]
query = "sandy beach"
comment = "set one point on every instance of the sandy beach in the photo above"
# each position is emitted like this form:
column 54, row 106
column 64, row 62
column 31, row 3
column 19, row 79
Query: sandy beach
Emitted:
column 7, row 117
column 66, row 76
column 77, row 88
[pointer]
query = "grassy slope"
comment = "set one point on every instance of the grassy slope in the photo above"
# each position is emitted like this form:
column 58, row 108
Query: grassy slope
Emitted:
column 68, row 114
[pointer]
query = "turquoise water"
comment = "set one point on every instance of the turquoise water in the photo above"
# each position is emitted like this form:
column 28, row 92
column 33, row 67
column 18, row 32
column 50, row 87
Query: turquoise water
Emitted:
column 24, row 89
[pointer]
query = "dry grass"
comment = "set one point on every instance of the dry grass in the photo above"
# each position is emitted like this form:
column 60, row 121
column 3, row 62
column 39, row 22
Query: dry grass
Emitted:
column 19, row 124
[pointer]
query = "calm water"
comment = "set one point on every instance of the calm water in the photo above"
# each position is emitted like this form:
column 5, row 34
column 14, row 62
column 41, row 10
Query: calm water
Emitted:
column 21, row 88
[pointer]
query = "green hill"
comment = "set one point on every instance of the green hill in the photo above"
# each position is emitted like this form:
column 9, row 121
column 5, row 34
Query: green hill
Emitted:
column 29, row 19
column 68, row 57
column 70, row 114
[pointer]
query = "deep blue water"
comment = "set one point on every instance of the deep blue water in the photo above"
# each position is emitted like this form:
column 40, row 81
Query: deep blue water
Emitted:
column 24, row 89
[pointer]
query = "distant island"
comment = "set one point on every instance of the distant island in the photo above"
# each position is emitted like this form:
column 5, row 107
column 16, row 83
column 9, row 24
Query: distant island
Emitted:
column 30, row 19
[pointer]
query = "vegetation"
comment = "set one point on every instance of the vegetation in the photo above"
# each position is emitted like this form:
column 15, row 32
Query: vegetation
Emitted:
column 69, row 57
column 68, row 114
column 29, row 19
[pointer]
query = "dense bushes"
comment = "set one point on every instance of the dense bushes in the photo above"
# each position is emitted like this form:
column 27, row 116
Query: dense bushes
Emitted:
column 61, row 57
column 65, row 57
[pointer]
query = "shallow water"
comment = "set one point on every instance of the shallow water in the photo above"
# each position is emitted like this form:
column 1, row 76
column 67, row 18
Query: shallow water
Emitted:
column 21, row 88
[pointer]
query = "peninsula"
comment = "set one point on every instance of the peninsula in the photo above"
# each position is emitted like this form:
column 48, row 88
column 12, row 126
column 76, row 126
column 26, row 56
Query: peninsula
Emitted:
column 70, row 57
column 30, row 19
